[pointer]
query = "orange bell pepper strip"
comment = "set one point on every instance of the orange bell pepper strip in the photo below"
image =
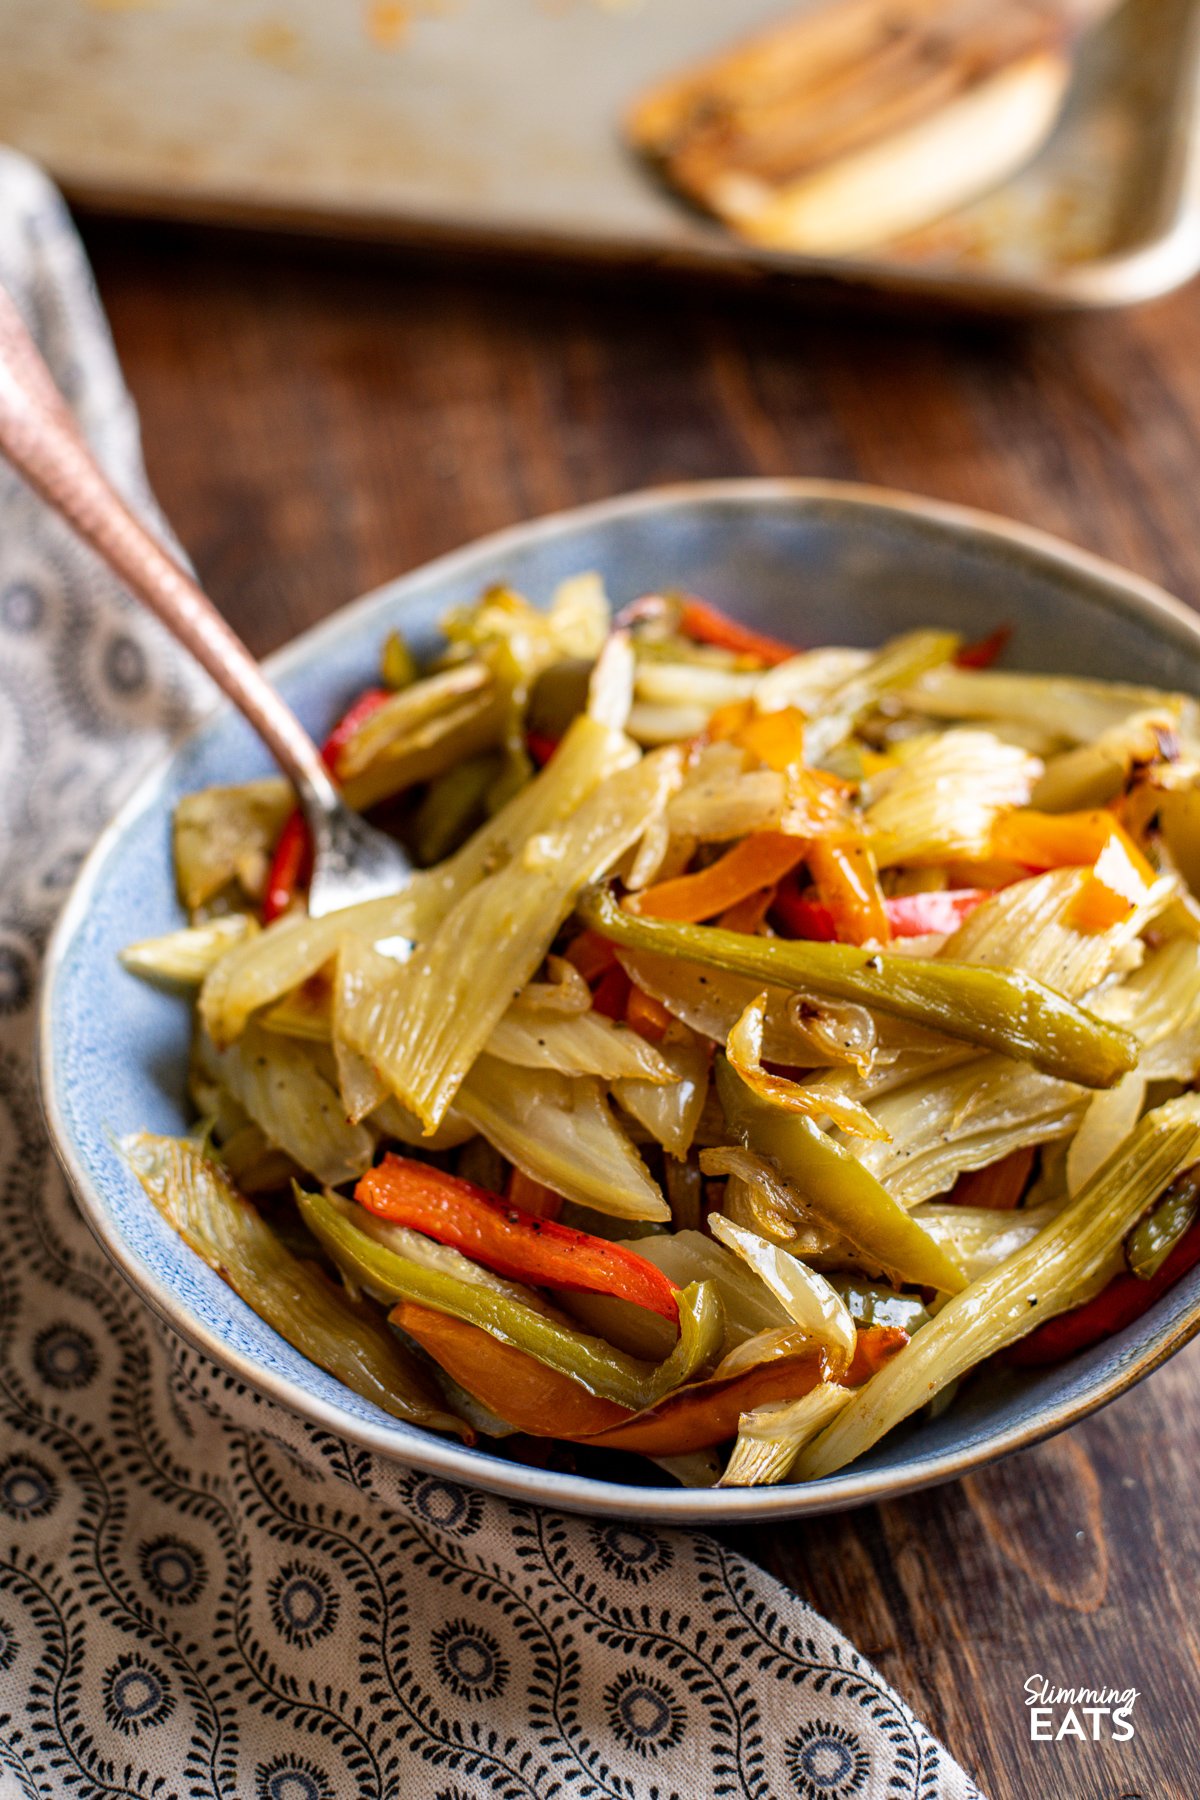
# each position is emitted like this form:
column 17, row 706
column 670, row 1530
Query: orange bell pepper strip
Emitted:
column 707, row 624
column 291, row 865
column 748, row 914
column 592, row 955
column 1041, row 840
column 532, row 1196
column 728, row 720
column 528, row 1394
column 775, row 738
column 541, row 1401
column 848, row 883
column 518, row 1244
column 758, row 860
column 647, row 1016
column 1121, row 875
column 1120, row 879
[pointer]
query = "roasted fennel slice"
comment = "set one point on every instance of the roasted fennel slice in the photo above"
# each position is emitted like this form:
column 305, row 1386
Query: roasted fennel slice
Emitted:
column 294, row 1100
column 296, row 1298
column 226, row 834
column 293, row 949
column 563, row 1133
column 1058, row 1269
column 182, row 959
column 426, row 1027
column 840, row 126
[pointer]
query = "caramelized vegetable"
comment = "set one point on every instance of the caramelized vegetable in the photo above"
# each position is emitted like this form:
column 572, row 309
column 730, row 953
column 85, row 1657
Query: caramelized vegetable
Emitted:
column 524, row 1246
column 563, row 1133
column 1044, row 1278
column 757, row 861
column 1008, row 1012
column 744, row 1048
column 1152, row 1241
column 181, row 959
column 295, row 1298
column 608, row 1373
column 538, row 1400
column 225, row 835
column 907, row 947
column 1126, row 1299
column 940, row 910
column 848, row 884
column 426, row 1027
column 1121, row 877
column 707, row 624
column 835, row 1186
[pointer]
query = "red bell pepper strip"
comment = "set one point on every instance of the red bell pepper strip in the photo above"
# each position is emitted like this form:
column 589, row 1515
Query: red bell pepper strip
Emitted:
column 545, row 1403
column 541, row 746
column 610, row 996
column 502, row 1237
column 291, row 865
column 1125, row 1299
column 707, row 624
column 349, row 723
column 984, row 651
column 909, row 915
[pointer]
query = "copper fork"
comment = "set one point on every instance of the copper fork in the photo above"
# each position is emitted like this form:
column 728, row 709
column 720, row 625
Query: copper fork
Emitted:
column 352, row 861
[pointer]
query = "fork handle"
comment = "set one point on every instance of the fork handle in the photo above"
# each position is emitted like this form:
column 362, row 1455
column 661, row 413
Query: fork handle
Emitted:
column 41, row 439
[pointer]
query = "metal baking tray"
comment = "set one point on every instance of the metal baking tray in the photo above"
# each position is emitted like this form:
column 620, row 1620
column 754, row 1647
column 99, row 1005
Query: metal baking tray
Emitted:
column 495, row 124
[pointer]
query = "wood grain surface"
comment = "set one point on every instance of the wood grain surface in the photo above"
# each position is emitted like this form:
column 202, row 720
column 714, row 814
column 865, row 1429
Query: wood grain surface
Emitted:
column 316, row 421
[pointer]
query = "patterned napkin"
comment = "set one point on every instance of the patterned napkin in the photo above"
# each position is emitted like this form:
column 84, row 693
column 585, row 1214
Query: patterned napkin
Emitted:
column 201, row 1596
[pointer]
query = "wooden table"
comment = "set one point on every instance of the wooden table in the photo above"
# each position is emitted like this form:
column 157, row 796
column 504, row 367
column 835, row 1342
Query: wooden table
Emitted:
column 317, row 421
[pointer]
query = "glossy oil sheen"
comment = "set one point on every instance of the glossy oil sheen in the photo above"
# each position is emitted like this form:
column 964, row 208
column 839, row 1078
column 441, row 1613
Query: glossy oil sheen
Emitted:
column 810, row 562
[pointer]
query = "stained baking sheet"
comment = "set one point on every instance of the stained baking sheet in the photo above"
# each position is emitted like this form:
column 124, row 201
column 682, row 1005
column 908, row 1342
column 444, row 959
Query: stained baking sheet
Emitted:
column 498, row 122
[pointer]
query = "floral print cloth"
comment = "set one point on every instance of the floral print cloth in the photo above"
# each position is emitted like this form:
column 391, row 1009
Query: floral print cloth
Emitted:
column 202, row 1596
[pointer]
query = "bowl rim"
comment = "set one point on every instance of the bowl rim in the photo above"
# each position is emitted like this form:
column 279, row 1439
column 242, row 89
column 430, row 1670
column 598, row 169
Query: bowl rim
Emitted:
column 1109, row 585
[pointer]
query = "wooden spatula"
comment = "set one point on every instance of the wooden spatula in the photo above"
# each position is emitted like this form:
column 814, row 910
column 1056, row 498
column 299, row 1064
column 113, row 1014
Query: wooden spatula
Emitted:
column 858, row 120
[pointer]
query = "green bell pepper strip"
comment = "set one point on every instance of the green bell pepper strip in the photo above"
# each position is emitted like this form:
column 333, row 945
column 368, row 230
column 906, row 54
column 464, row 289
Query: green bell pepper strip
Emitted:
column 1000, row 1010
column 597, row 1366
column 835, row 1187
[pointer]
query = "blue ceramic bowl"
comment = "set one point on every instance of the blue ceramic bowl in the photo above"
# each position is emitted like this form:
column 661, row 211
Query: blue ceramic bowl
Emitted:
column 810, row 561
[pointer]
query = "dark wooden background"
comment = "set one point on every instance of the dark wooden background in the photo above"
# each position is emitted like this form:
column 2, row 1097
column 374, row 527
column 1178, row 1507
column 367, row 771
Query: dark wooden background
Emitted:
column 318, row 420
